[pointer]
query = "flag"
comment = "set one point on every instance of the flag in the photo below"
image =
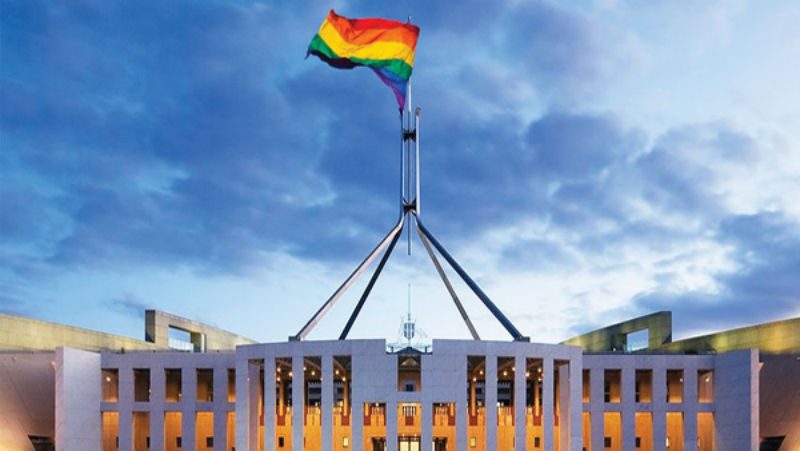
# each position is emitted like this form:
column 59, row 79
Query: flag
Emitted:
column 385, row 46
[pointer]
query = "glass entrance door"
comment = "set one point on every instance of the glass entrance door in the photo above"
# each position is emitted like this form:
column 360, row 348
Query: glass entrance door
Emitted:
column 408, row 443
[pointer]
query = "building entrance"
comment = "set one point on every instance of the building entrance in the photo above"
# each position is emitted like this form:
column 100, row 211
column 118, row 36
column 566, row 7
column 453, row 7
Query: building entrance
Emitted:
column 378, row 444
column 408, row 443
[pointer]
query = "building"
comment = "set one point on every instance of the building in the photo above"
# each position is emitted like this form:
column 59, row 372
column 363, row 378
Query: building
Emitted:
column 79, row 390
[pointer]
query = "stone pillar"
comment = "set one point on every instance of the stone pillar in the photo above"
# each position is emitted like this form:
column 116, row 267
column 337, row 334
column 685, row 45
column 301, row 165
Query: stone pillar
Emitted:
column 189, row 409
column 628, row 407
column 520, row 416
column 690, row 406
column 597, row 406
column 491, row 402
column 563, row 402
column 548, row 374
column 659, row 407
column 298, row 400
column 157, row 404
column 327, row 402
column 391, row 424
column 220, row 407
column 269, row 402
column 426, row 418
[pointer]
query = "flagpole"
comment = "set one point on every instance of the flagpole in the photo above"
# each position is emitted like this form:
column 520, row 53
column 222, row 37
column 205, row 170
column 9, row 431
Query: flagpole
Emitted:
column 408, row 159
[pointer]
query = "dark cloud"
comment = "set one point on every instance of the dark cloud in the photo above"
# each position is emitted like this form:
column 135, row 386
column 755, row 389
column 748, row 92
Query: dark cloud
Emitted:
column 764, row 288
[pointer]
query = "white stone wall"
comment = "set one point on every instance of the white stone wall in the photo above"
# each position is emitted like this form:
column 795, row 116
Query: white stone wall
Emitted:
column 78, row 391
column 157, row 363
column 735, row 405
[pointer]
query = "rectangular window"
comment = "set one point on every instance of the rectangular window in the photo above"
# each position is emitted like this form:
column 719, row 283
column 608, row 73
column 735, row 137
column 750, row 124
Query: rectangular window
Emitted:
column 140, row 431
column 231, row 385
column 204, row 430
column 205, row 385
column 173, row 429
column 612, row 386
column 587, row 393
column 409, row 372
column 705, row 386
column 674, row 386
column 705, row 431
column 141, row 383
column 110, row 422
column 110, row 385
column 174, row 389
column 644, row 386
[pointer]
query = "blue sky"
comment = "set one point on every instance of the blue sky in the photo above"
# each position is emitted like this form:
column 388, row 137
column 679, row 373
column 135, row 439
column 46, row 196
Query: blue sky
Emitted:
column 587, row 162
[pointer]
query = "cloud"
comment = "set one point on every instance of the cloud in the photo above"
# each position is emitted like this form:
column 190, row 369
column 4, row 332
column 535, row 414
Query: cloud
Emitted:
column 129, row 305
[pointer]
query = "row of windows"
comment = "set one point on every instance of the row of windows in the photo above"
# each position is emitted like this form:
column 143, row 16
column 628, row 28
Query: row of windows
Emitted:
column 643, row 386
column 173, row 385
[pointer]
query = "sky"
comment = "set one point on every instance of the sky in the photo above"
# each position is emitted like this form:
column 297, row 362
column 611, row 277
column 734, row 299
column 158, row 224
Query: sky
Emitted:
column 585, row 161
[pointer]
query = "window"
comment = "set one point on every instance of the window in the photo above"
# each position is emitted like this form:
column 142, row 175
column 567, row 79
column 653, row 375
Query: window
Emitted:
column 231, row 385
column 644, row 386
column 280, row 442
column 205, row 385
column 141, row 381
column 345, row 441
column 674, row 385
column 537, row 442
column 174, row 388
column 638, row 442
column 586, row 386
column 705, row 386
column 179, row 441
column 110, row 385
column 209, row 442
column 606, row 442
column 612, row 386
column 473, row 442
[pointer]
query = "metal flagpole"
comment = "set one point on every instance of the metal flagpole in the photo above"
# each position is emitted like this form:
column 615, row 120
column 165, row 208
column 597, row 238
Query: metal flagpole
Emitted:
column 417, row 195
column 408, row 159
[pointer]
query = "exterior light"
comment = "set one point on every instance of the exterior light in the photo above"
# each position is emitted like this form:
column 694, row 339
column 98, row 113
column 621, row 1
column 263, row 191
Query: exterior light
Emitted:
column 474, row 379
column 513, row 368
column 481, row 372
column 527, row 374
column 108, row 378
column 313, row 372
column 290, row 374
column 539, row 369
column 279, row 369
column 505, row 373
column 337, row 372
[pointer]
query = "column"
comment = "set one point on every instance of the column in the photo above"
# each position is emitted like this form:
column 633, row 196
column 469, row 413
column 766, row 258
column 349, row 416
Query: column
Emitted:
column 426, row 418
column 576, row 402
column 269, row 403
column 519, row 403
column 298, row 400
column 690, row 406
column 125, row 403
column 563, row 401
column 327, row 402
column 491, row 402
column 597, row 405
column 659, row 407
column 391, row 423
column 189, row 402
column 547, row 403
column 220, row 407
column 628, row 407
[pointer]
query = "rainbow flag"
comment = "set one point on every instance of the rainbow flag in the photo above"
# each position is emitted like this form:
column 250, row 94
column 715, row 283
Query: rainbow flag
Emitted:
column 385, row 46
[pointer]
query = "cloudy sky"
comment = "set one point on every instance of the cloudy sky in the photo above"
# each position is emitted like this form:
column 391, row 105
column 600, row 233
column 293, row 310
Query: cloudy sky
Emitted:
column 585, row 161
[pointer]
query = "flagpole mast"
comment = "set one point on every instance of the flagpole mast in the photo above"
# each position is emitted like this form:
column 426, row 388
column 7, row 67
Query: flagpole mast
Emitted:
column 408, row 160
